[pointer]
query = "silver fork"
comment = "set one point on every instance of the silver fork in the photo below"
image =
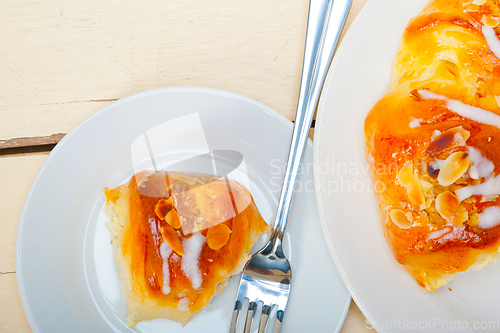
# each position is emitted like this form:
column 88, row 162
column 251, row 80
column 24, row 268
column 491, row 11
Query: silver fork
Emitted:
column 267, row 275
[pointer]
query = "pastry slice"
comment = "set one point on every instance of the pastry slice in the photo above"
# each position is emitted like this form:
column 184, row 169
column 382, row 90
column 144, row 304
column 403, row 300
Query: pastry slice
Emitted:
column 177, row 238
column 433, row 143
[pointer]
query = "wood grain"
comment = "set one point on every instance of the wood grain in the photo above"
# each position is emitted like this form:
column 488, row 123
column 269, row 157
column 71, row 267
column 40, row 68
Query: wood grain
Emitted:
column 31, row 141
column 16, row 178
column 355, row 321
column 63, row 60
column 12, row 317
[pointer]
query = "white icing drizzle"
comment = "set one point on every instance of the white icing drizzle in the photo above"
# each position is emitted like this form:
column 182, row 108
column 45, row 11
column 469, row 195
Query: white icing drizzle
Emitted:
column 491, row 40
column 489, row 218
column 435, row 134
column 165, row 252
column 458, row 139
column 436, row 164
column 439, row 233
column 427, row 94
column 481, row 166
column 464, row 110
column 415, row 122
column 490, row 186
column 183, row 304
column 189, row 265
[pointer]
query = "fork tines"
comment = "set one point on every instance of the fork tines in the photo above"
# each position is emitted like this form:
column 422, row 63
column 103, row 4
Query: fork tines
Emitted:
column 266, row 279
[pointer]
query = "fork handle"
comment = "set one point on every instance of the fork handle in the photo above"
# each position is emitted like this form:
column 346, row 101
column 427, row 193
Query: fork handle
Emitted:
column 324, row 26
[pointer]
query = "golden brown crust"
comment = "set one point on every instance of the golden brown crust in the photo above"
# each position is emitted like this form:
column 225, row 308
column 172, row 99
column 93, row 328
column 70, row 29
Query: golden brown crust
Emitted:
column 140, row 226
column 445, row 52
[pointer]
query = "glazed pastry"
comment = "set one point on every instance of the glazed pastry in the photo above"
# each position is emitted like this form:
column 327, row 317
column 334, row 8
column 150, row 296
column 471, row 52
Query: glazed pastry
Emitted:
column 433, row 142
column 177, row 238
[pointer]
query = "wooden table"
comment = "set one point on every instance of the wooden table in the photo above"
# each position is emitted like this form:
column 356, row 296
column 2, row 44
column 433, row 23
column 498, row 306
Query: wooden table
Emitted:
column 62, row 60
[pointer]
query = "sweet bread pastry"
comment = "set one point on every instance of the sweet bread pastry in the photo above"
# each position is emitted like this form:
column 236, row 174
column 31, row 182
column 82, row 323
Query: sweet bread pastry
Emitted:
column 432, row 142
column 177, row 238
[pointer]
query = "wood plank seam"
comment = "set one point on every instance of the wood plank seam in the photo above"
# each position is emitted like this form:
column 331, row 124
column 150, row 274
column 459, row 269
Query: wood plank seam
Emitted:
column 49, row 141
column 31, row 141
column 89, row 101
column 29, row 150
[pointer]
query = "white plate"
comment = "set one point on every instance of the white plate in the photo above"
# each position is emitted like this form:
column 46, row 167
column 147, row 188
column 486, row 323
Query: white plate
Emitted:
column 383, row 290
column 65, row 269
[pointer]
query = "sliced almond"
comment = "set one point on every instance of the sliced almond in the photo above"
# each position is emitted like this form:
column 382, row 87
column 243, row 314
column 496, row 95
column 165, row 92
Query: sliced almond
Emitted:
column 405, row 174
column 451, row 138
column 172, row 238
column 173, row 219
column 486, row 198
column 479, row 2
column 447, row 204
column 415, row 191
column 400, row 218
column 426, row 204
column 460, row 219
column 218, row 236
column 436, row 218
column 453, row 168
column 435, row 134
column 473, row 220
column 489, row 21
column 426, row 186
column 461, row 209
column 472, row 8
column 497, row 99
column 463, row 132
column 438, row 189
column 470, row 200
column 163, row 206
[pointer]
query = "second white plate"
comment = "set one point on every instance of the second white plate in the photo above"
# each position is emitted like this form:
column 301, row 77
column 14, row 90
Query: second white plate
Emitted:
column 387, row 295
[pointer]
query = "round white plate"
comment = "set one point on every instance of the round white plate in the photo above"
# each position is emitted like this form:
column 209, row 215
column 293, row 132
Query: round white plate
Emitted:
column 66, row 273
column 386, row 294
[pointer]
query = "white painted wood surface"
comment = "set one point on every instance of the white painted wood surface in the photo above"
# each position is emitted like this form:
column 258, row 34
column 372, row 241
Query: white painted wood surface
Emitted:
column 60, row 61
